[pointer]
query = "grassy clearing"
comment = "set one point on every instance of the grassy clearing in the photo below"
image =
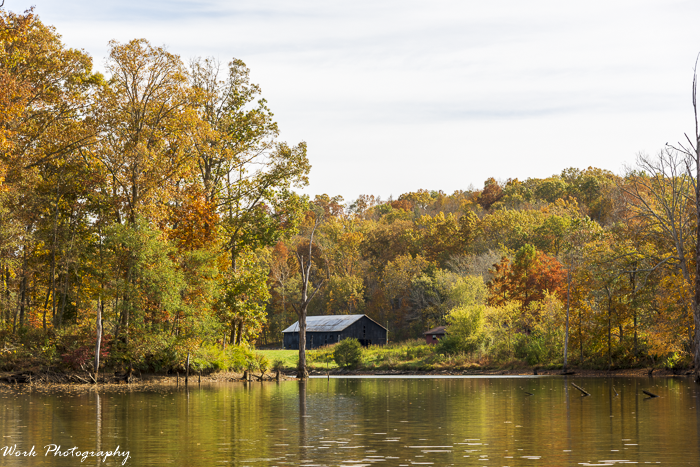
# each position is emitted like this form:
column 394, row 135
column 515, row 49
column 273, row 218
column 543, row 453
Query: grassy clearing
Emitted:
column 413, row 355
column 316, row 359
column 289, row 358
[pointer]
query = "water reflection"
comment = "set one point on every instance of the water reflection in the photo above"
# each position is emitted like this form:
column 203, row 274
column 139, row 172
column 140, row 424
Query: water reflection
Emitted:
column 354, row 422
column 98, row 425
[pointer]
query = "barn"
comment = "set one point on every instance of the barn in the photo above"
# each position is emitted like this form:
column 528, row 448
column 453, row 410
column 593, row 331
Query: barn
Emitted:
column 325, row 330
column 434, row 335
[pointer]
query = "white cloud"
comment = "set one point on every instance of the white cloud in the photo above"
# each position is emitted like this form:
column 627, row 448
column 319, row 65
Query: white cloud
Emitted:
column 398, row 95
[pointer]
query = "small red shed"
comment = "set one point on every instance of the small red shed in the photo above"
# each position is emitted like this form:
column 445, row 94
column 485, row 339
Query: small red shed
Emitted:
column 434, row 335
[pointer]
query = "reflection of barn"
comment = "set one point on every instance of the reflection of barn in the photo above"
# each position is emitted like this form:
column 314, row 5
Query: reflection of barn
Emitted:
column 325, row 330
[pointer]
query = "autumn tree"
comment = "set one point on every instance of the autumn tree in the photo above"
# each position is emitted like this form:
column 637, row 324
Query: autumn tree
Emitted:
column 491, row 193
column 312, row 279
column 45, row 96
column 690, row 150
column 659, row 198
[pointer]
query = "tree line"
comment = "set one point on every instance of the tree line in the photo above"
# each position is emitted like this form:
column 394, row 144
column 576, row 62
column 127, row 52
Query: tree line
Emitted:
column 584, row 268
column 151, row 212
column 136, row 202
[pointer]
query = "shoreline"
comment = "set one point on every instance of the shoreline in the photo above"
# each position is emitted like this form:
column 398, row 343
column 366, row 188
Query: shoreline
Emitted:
column 80, row 381
column 576, row 373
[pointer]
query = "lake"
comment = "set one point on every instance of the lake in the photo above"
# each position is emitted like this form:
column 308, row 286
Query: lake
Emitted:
column 399, row 421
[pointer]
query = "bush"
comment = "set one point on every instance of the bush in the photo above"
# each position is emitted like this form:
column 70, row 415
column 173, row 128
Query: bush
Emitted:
column 211, row 358
column 348, row 353
column 278, row 365
column 453, row 345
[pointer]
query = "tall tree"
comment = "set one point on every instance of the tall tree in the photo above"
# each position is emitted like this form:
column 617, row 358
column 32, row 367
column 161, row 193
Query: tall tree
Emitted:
column 660, row 197
column 45, row 95
column 246, row 175
column 310, row 284
column 691, row 150
column 148, row 120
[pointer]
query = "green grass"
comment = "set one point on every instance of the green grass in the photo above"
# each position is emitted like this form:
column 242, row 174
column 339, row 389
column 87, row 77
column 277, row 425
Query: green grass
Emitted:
column 316, row 359
column 289, row 358
column 409, row 355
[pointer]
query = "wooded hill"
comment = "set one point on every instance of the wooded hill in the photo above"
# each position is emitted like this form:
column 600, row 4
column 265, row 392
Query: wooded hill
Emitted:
column 158, row 201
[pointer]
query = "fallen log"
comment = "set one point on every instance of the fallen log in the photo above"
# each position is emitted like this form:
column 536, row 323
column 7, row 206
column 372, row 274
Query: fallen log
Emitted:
column 650, row 394
column 584, row 393
column 79, row 379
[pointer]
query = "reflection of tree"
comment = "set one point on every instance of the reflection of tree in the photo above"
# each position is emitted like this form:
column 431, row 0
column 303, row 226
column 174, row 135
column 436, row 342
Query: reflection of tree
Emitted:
column 98, row 425
column 302, row 418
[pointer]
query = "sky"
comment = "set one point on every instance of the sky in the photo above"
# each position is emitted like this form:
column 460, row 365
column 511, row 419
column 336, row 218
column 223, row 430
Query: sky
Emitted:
column 396, row 96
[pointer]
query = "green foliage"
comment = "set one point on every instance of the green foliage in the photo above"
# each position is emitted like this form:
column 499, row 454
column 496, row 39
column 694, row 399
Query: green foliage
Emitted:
column 161, row 208
column 145, row 275
column 348, row 353
column 245, row 294
column 465, row 330
column 452, row 345
column 322, row 355
column 210, row 358
column 278, row 365
column 262, row 362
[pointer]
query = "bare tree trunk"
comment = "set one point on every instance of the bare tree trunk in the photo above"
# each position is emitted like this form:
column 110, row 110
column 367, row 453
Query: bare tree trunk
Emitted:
column 609, row 332
column 302, row 372
column 691, row 151
column 580, row 333
column 187, row 369
column 98, row 339
column 305, row 269
column 46, row 308
column 568, row 308
column 696, row 299
column 23, row 299
column 53, row 267
column 64, row 299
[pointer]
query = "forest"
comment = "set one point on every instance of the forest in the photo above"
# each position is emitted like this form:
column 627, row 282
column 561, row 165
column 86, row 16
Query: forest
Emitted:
column 152, row 212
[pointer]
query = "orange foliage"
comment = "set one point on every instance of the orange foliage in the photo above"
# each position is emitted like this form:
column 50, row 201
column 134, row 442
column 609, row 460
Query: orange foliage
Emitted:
column 194, row 221
column 527, row 279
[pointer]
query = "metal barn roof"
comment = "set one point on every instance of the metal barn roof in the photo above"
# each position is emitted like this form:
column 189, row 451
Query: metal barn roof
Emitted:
column 328, row 323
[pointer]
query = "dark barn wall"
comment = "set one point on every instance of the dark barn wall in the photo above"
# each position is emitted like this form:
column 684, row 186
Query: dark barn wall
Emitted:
column 366, row 331
column 291, row 340
column 315, row 340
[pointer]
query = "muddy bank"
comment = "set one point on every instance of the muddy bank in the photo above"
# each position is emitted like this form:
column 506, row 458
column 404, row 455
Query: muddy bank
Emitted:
column 135, row 381
column 138, row 381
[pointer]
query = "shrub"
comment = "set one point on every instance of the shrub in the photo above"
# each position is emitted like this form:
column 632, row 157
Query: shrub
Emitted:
column 453, row 345
column 278, row 365
column 211, row 357
column 348, row 353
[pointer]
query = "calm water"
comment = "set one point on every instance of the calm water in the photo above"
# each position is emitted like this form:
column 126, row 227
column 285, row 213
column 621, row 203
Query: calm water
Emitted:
column 363, row 422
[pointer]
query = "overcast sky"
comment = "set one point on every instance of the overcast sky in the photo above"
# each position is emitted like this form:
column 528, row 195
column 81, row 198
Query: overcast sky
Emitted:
column 393, row 96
